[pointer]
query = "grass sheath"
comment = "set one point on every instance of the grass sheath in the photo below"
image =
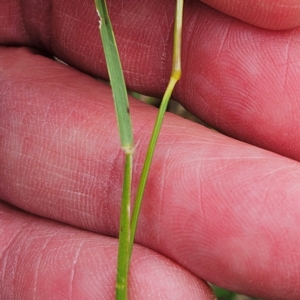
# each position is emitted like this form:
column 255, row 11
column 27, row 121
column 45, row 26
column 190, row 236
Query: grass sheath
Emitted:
column 128, row 224
column 124, row 236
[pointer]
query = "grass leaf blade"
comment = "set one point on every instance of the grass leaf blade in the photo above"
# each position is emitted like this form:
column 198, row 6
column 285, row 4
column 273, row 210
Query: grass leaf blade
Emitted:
column 116, row 77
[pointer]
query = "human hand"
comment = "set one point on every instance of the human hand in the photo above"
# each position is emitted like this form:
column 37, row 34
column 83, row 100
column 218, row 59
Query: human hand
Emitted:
column 220, row 209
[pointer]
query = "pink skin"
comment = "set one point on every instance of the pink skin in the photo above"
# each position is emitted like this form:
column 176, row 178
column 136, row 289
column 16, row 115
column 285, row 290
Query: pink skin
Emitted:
column 227, row 211
column 270, row 14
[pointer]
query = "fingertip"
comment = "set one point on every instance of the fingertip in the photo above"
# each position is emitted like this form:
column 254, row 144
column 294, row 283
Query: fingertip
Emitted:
column 166, row 277
column 45, row 259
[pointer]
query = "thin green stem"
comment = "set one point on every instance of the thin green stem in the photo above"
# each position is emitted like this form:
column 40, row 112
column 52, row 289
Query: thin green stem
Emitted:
column 175, row 76
column 124, row 237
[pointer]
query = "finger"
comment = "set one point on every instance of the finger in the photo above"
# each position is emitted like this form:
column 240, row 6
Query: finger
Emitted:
column 239, row 79
column 282, row 14
column 41, row 259
column 225, row 210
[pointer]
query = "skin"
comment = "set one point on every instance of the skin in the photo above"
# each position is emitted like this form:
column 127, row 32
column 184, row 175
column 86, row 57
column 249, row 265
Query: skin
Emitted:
column 279, row 14
column 217, row 208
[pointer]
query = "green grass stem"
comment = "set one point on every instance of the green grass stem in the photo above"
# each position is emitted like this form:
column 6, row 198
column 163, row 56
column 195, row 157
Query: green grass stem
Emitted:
column 124, row 236
column 175, row 76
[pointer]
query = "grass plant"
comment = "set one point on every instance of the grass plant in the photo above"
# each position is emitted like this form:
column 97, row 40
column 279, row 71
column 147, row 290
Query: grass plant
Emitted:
column 128, row 223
